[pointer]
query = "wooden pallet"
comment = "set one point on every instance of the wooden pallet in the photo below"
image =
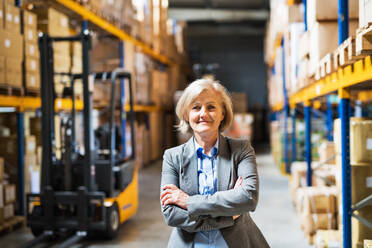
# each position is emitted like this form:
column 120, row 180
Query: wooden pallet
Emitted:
column 11, row 224
column 346, row 54
column 35, row 92
column 10, row 90
column 324, row 67
column 363, row 41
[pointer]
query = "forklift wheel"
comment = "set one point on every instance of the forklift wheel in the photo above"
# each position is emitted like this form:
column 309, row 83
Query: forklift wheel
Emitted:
column 112, row 221
column 36, row 212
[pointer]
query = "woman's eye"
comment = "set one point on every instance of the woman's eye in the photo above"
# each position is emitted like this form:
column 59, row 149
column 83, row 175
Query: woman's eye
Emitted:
column 196, row 107
column 211, row 107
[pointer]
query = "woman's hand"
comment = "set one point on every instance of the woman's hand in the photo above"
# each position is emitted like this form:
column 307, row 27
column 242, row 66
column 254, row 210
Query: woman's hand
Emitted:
column 173, row 195
column 238, row 184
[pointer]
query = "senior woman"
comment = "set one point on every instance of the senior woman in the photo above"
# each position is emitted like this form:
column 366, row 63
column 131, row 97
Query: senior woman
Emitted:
column 209, row 184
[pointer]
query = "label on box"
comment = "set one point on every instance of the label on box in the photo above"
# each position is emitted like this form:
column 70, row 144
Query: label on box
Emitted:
column 64, row 22
column 30, row 35
column 369, row 144
column 9, row 17
column 369, row 182
column 16, row 19
column 7, row 43
column 31, row 146
column 33, row 65
column 32, row 49
column 32, row 81
column 30, row 20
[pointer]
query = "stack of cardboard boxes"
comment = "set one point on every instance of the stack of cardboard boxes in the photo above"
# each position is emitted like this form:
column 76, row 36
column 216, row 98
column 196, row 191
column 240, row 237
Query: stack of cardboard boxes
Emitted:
column 11, row 45
column 32, row 165
column 31, row 52
column 7, row 196
column 361, row 173
column 317, row 208
column 77, row 67
column 55, row 23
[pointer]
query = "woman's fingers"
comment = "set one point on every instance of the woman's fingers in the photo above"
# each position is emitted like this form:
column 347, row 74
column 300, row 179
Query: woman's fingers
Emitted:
column 169, row 186
column 238, row 182
column 165, row 192
column 165, row 199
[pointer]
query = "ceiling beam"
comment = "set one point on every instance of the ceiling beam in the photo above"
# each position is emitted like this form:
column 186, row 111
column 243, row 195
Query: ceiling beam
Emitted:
column 219, row 15
column 224, row 30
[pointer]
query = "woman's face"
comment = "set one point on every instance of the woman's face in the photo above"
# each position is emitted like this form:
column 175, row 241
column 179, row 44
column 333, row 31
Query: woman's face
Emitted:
column 206, row 113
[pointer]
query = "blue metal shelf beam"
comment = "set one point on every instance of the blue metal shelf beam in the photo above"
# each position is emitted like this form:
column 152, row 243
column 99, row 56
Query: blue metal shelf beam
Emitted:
column 307, row 111
column 344, row 110
column 343, row 20
column 329, row 119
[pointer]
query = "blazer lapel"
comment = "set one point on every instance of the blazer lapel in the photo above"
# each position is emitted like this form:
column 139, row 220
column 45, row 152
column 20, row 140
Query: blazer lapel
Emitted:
column 224, row 165
column 189, row 169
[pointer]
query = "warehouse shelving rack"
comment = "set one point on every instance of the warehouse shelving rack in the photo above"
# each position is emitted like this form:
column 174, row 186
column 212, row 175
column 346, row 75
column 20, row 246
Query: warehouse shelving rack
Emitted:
column 355, row 77
column 22, row 103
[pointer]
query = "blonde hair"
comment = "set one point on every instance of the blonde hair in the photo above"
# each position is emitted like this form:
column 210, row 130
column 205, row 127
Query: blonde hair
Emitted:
column 193, row 91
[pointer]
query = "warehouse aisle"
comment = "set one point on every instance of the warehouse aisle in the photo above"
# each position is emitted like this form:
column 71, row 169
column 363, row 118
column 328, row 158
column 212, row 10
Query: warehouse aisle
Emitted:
column 275, row 214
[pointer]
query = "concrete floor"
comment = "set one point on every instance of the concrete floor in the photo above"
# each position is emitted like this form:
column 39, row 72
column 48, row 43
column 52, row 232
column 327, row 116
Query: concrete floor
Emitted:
column 275, row 214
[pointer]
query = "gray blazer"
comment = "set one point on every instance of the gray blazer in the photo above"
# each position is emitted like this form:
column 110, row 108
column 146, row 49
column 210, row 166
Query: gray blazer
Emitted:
column 210, row 212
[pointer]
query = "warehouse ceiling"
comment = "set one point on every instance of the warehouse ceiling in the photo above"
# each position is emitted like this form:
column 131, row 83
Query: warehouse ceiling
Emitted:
column 221, row 17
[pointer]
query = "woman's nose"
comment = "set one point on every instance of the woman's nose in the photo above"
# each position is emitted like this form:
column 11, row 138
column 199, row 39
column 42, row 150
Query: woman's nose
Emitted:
column 203, row 112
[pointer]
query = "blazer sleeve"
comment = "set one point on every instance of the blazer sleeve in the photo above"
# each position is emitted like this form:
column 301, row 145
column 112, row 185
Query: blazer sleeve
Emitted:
column 234, row 201
column 178, row 217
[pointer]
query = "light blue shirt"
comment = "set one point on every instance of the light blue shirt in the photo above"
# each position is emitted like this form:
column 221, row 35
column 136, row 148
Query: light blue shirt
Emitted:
column 207, row 184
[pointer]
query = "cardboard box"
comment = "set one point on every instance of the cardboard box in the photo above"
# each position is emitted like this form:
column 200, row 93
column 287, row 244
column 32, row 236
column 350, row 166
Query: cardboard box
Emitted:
column 29, row 19
column 30, row 35
column 62, row 63
column 12, row 18
column 32, row 80
column 327, row 238
column 11, row 44
column 361, row 180
column 32, row 50
column 360, row 232
column 310, row 223
column 9, row 193
column 365, row 10
column 1, row 16
column 324, row 31
column 32, row 65
column 8, row 211
column 325, row 175
column 13, row 74
column 327, row 10
column 2, row 70
column 52, row 22
column 35, row 129
column 327, row 152
column 360, row 141
column 319, row 200
column 30, row 144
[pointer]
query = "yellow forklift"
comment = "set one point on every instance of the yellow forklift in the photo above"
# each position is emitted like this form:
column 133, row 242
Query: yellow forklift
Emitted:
column 88, row 189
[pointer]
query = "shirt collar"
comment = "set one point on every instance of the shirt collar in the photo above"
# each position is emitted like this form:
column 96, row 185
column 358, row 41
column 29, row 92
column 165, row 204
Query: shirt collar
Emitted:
column 197, row 146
